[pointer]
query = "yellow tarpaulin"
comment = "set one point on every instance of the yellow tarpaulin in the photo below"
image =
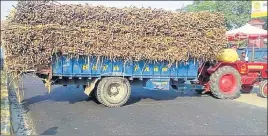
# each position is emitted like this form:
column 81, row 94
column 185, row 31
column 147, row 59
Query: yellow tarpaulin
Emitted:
column 259, row 9
column 227, row 55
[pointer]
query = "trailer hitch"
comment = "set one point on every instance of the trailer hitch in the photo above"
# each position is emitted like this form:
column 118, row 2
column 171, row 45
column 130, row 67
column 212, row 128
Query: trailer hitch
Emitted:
column 48, row 84
column 206, row 88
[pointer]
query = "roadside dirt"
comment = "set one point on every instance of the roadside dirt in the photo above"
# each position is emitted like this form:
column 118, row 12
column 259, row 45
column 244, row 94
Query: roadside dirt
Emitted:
column 20, row 119
column 253, row 99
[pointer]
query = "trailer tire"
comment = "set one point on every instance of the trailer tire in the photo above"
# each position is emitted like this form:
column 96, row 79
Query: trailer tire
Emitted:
column 225, row 83
column 263, row 88
column 113, row 91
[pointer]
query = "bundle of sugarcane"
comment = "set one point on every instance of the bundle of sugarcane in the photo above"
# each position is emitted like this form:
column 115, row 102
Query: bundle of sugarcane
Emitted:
column 37, row 30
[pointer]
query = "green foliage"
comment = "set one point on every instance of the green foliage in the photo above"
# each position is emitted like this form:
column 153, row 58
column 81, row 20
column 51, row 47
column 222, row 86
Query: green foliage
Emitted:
column 236, row 13
column 201, row 6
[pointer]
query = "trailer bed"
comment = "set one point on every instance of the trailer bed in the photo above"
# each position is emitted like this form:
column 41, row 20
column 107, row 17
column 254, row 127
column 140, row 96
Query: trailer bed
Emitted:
column 90, row 67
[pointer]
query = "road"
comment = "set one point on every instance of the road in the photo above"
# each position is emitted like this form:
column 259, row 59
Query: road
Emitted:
column 68, row 111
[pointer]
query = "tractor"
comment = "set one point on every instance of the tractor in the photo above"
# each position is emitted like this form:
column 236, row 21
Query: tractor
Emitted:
column 226, row 80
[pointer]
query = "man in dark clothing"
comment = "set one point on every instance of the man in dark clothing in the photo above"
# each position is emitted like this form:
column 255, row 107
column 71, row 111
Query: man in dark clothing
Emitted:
column 243, row 56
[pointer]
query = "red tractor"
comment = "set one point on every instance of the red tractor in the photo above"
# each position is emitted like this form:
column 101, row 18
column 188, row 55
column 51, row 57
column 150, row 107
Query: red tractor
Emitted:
column 226, row 80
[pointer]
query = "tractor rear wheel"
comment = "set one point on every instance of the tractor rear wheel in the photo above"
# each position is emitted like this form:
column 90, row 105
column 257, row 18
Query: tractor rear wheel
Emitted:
column 225, row 83
column 263, row 88
column 113, row 91
column 246, row 88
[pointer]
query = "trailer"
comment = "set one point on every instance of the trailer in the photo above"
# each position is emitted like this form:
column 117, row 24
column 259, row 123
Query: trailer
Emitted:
column 110, row 80
column 256, row 54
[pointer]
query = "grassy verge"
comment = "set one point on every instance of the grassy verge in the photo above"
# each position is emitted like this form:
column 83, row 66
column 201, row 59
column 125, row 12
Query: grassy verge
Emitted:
column 5, row 107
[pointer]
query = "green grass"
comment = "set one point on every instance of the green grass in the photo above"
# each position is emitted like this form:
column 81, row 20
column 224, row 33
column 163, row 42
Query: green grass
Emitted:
column 3, row 84
column 5, row 109
column 3, row 77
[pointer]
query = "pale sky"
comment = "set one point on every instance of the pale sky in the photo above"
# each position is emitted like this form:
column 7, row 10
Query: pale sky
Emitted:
column 167, row 5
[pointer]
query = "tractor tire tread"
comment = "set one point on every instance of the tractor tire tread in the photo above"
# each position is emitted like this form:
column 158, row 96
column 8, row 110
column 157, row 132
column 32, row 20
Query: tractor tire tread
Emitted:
column 262, row 84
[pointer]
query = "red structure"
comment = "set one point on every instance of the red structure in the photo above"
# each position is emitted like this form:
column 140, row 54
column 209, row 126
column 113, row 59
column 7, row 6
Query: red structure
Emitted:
column 259, row 43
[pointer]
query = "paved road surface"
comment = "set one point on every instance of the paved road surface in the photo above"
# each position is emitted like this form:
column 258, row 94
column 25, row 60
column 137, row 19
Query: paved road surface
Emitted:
column 68, row 111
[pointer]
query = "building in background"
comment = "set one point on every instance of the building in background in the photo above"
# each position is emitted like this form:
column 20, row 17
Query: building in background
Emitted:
column 258, row 9
column 259, row 43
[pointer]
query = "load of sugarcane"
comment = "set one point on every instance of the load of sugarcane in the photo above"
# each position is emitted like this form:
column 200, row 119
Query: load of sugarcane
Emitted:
column 36, row 30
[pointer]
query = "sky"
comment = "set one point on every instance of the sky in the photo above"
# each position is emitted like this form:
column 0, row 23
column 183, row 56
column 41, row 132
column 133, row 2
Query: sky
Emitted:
column 6, row 6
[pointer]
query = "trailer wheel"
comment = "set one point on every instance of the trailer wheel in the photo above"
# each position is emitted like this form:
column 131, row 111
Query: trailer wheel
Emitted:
column 246, row 88
column 225, row 83
column 263, row 88
column 113, row 91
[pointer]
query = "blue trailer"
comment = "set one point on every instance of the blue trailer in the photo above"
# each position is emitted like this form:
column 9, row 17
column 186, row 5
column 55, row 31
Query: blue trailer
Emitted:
column 110, row 80
column 255, row 54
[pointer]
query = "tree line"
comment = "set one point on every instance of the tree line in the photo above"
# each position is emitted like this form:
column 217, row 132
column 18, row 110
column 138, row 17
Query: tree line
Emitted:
column 236, row 13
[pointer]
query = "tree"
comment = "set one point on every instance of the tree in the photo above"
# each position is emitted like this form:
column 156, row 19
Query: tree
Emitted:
column 236, row 13
column 200, row 6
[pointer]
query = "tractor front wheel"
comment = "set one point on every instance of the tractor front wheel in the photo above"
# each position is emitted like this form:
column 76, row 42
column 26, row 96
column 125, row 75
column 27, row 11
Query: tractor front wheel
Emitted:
column 225, row 83
column 263, row 88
